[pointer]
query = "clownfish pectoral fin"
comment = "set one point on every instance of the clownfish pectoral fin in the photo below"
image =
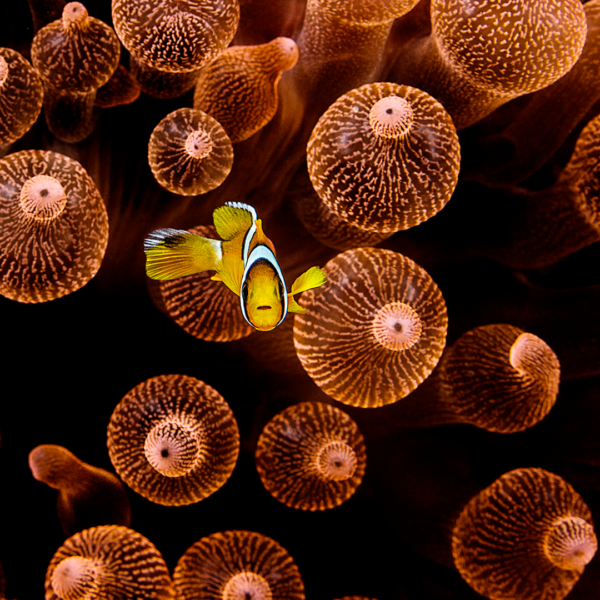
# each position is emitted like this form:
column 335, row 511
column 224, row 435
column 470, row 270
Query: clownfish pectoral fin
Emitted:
column 231, row 272
column 313, row 278
column 173, row 253
column 233, row 219
column 293, row 306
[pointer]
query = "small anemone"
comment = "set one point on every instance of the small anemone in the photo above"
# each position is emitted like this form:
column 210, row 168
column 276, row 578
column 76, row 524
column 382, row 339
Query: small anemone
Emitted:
column 384, row 157
column 189, row 152
column 173, row 439
column 108, row 562
column 500, row 378
column 54, row 229
column 237, row 565
column 527, row 536
column 374, row 331
column 311, row 456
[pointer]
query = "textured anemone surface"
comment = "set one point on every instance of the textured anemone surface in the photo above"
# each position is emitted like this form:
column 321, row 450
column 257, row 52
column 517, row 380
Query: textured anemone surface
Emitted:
column 374, row 331
column 500, row 378
column 384, row 157
column 236, row 565
column 239, row 87
column 76, row 53
column 108, row 562
column 583, row 173
column 368, row 12
column 173, row 439
column 189, row 152
column 175, row 35
column 311, row 456
column 527, row 536
column 512, row 47
column 21, row 95
column 54, row 226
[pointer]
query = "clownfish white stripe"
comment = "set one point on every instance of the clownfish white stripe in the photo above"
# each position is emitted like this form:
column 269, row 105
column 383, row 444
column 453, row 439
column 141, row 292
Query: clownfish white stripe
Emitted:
column 247, row 241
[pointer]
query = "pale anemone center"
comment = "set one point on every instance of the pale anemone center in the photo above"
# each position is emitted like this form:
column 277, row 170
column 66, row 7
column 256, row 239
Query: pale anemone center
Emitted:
column 75, row 578
column 42, row 198
column 530, row 355
column 287, row 51
column 247, row 586
column 391, row 117
column 336, row 461
column 172, row 448
column 396, row 326
column 570, row 543
column 198, row 144
column 3, row 70
column 74, row 14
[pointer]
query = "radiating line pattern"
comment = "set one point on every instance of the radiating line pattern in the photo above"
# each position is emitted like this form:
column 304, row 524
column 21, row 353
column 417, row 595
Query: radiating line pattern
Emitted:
column 54, row 229
column 173, row 439
column 108, row 562
column 237, row 565
column 374, row 331
column 311, row 456
column 528, row 536
column 189, row 152
column 500, row 378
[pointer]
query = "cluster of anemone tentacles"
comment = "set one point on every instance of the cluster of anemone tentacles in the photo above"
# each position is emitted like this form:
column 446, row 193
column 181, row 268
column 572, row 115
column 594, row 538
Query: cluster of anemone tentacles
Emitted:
column 435, row 403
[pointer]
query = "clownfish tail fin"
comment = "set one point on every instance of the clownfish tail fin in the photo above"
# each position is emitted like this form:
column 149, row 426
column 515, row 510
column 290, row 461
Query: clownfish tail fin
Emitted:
column 174, row 253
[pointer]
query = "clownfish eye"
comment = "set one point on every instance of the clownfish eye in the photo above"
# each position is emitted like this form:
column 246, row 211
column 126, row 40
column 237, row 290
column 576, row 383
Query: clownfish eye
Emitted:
column 245, row 291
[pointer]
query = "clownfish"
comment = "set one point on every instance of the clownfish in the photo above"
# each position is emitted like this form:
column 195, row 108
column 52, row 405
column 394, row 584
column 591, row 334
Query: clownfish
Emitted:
column 244, row 260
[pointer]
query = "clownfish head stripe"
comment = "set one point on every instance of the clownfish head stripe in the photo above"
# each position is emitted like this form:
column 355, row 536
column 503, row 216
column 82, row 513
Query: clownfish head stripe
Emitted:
column 263, row 255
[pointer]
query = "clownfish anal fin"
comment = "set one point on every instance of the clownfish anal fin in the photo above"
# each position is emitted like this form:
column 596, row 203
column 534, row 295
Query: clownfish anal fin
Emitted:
column 233, row 219
column 174, row 253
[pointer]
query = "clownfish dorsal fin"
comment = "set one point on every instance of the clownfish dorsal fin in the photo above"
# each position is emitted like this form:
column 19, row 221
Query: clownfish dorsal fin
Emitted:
column 233, row 219
column 313, row 278
column 173, row 253
column 231, row 272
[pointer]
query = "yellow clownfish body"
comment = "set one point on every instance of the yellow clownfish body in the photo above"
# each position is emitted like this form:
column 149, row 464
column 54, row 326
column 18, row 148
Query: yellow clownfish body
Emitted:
column 244, row 261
